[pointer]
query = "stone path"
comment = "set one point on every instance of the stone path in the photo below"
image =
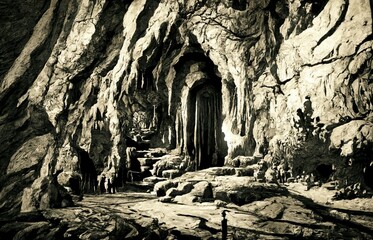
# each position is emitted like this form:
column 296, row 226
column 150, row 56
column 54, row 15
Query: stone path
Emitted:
column 141, row 215
column 293, row 214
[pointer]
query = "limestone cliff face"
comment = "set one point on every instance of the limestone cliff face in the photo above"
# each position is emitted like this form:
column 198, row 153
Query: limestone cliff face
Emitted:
column 292, row 79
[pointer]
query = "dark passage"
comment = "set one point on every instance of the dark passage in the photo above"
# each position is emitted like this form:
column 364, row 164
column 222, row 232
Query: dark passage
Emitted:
column 368, row 175
column 88, row 171
column 324, row 172
column 205, row 126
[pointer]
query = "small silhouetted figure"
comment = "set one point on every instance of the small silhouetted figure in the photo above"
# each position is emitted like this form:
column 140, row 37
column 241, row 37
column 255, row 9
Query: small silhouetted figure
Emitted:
column 102, row 184
column 224, row 226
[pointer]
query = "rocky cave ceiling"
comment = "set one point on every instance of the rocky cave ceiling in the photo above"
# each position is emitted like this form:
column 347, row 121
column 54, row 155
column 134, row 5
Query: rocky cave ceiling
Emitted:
column 292, row 78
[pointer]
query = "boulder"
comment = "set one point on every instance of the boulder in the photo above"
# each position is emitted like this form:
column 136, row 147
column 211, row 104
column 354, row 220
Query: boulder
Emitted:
column 186, row 199
column 185, row 187
column 232, row 162
column 259, row 175
column 167, row 162
column 45, row 193
column 173, row 192
column 273, row 210
column 271, row 175
column 70, row 180
column 202, row 190
column 246, row 192
column 161, row 188
column 351, row 137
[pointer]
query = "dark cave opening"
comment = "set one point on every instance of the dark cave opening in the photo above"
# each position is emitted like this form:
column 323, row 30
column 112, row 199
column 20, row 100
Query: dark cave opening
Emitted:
column 324, row 171
column 239, row 5
column 205, row 138
column 368, row 175
column 88, row 171
column 74, row 184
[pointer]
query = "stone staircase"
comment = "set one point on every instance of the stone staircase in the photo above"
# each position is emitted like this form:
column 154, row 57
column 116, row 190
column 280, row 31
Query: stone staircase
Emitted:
column 160, row 164
column 156, row 164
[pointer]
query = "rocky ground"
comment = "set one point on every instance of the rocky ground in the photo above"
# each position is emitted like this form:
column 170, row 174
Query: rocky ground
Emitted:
column 191, row 206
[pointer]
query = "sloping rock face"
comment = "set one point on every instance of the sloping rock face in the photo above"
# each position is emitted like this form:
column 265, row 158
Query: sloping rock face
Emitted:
column 214, row 79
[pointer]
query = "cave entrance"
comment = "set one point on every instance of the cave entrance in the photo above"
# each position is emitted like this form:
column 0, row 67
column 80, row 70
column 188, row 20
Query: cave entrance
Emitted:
column 88, row 171
column 324, row 171
column 368, row 175
column 205, row 143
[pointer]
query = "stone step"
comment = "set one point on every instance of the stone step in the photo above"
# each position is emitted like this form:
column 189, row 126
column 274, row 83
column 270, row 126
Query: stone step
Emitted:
column 152, row 152
column 171, row 173
column 138, row 186
column 146, row 161
column 145, row 168
column 247, row 172
column 142, row 153
column 154, row 179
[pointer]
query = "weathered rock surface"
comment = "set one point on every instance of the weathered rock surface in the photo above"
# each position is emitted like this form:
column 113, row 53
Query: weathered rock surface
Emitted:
column 210, row 184
column 290, row 79
column 140, row 216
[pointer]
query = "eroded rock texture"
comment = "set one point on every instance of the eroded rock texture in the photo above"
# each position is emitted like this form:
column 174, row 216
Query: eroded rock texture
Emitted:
column 214, row 79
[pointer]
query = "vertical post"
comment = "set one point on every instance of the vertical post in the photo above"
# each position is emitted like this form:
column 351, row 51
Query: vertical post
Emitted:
column 224, row 226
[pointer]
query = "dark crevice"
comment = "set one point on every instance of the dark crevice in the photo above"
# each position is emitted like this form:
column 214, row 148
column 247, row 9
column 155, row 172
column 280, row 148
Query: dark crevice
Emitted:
column 254, row 37
column 88, row 171
column 317, row 6
column 330, row 60
column 337, row 23
column 142, row 21
column 368, row 176
column 239, row 4
column 273, row 8
column 78, row 81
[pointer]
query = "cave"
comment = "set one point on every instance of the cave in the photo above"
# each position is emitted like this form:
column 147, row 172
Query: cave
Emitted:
column 324, row 171
column 368, row 175
column 224, row 97
column 88, row 172
column 204, row 125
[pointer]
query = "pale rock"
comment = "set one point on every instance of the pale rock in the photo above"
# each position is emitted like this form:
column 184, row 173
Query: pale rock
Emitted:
column 202, row 190
column 186, row 199
column 185, row 187
column 271, row 175
column 161, row 187
column 30, row 154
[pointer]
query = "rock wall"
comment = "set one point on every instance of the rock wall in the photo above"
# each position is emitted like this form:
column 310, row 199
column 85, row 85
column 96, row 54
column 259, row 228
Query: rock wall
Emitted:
column 294, row 78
